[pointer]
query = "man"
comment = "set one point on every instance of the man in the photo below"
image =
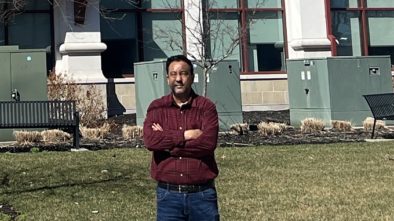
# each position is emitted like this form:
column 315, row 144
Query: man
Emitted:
column 181, row 129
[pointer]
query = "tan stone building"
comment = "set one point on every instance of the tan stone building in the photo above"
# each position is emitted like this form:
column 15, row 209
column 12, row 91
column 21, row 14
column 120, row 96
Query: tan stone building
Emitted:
column 98, row 41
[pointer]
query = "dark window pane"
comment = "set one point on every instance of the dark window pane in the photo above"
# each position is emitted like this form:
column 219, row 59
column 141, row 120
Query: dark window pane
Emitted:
column 380, row 3
column 381, row 32
column 264, row 4
column 266, row 42
column 37, row 5
column 119, row 33
column 162, row 4
column 162, row 35
column 119, row 57
column 344, row 3
column 346, row 28
column 118, row 4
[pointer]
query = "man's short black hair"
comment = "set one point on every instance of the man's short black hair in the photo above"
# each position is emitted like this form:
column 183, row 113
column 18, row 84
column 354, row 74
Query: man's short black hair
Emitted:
column 179, row 58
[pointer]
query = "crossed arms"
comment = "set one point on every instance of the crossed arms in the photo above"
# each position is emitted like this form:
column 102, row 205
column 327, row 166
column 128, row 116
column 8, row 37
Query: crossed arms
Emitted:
column 186, row 143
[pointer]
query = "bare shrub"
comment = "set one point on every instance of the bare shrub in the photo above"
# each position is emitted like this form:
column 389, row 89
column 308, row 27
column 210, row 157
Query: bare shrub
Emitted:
column 271, row 128
column 89, row 99
column 240, row 128
column 54, row 136
column 131, row 132
column 310, row 125
column 27, row 137
column 96, row 133
column 91, row 106
column 368, row 124
column 341, row 125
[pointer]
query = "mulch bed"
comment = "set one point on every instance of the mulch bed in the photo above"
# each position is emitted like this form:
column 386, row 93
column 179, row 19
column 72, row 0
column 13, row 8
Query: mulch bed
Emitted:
column 290, row 136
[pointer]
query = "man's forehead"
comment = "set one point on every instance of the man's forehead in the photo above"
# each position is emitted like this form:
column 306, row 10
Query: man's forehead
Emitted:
column 179, row 65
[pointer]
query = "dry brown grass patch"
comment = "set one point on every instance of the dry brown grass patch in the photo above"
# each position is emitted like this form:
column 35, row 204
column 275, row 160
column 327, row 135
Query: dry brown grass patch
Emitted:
column 131, row 132
column 341, row 125
column 368, row 124
column 271, row 128
column 310, row 125
column 54, row 136
column 96, row 133
column 27, row 137
column 240, row 128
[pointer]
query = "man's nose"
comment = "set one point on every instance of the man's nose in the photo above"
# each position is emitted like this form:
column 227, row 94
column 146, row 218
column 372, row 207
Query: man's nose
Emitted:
column 178, row 77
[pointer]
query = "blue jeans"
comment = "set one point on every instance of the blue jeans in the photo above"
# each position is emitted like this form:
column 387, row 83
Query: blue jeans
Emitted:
column 199, row 206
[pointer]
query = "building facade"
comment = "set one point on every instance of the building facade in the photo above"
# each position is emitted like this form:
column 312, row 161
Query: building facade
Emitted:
column 98, row 41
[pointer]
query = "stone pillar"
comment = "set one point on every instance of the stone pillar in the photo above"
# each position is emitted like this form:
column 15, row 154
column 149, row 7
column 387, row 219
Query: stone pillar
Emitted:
column 306, row 29
column 78, row 46
column 194, row 21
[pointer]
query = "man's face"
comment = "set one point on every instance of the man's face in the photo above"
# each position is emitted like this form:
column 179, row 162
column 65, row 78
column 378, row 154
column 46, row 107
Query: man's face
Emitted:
column 179, row 78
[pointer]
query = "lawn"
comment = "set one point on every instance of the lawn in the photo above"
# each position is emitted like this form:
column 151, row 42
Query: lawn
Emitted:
column 352, row 181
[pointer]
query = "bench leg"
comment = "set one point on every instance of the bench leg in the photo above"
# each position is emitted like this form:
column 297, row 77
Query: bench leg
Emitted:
column 76, row 131
column 373, row 128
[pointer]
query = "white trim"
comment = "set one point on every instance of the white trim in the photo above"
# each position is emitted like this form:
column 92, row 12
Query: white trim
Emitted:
column 67, row 48
column 105, row 80
column 262, row 76
column 269, row 107
column 311, row 43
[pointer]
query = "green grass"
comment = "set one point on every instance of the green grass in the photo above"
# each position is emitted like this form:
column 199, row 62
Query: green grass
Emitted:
column 351, row 181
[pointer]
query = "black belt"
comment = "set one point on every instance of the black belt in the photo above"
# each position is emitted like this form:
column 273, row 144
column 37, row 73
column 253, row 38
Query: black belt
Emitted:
column 187, row 188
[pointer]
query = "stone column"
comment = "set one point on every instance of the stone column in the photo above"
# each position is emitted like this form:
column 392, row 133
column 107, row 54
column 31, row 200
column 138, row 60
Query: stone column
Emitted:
column 306, row 29
column 78, row 46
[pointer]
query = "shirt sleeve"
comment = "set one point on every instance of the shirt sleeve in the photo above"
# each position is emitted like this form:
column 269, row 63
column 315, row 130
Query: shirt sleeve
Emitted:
column 160, row 140
column 206, row 143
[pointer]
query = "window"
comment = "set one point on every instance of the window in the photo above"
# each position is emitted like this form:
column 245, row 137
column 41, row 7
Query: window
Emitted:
column 133, row 32
column 33, row 20
column 363, row 27
column 261, row 47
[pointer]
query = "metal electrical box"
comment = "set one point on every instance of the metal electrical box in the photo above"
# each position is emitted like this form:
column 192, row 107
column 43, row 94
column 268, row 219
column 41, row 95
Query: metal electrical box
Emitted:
column 223, row 89
column 332, row 88
column 23, row 77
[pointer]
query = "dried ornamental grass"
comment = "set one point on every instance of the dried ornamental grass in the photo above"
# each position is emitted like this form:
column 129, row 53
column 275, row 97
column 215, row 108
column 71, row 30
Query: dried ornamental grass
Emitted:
column 96, row 133
column 54, row 136
column 27, row 137
column 271, row 128
column 368, row 124
column 310, row 125
column 89, row 99
column 239, row 128
column 131, row 132
column 341, row 125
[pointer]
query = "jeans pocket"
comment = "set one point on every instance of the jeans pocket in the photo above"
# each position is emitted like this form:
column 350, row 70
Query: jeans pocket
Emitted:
column 161, row 194
column 209, row 194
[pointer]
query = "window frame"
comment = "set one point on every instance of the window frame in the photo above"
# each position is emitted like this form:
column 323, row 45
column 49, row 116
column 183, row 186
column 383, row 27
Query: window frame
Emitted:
column 48, row 11
column 139, row 11
column 363, row 10
column 243, row 10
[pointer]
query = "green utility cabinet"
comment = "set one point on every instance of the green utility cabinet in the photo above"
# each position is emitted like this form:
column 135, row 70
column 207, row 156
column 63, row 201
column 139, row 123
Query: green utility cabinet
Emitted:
column 332, row 88
column 23, row 72
column 223, row 89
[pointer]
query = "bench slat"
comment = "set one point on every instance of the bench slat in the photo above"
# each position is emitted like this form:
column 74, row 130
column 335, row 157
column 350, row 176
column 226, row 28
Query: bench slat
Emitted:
column 382, row 107
column 40, row 114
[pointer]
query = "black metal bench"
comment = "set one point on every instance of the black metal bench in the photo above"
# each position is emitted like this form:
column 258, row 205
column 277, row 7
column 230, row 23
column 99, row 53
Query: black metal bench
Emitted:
column 40, row 114
column 382, row 107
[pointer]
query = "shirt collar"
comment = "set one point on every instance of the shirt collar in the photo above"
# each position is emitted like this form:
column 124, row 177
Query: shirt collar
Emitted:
column 169, row 100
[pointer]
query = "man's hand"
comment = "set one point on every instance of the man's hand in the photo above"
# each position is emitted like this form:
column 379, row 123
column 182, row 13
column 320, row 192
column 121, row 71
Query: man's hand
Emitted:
column 156, row 127
column 192, row 134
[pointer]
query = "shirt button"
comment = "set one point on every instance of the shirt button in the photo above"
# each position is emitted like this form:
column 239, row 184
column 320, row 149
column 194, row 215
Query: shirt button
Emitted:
column 181, row 174
column 180, row 128
column 180, row 158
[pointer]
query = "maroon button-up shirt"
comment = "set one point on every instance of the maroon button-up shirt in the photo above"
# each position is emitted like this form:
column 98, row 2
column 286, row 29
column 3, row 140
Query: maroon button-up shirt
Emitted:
column 175, row 160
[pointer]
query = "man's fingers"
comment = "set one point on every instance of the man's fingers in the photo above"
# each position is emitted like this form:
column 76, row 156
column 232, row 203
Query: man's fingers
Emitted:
column 156, row 127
